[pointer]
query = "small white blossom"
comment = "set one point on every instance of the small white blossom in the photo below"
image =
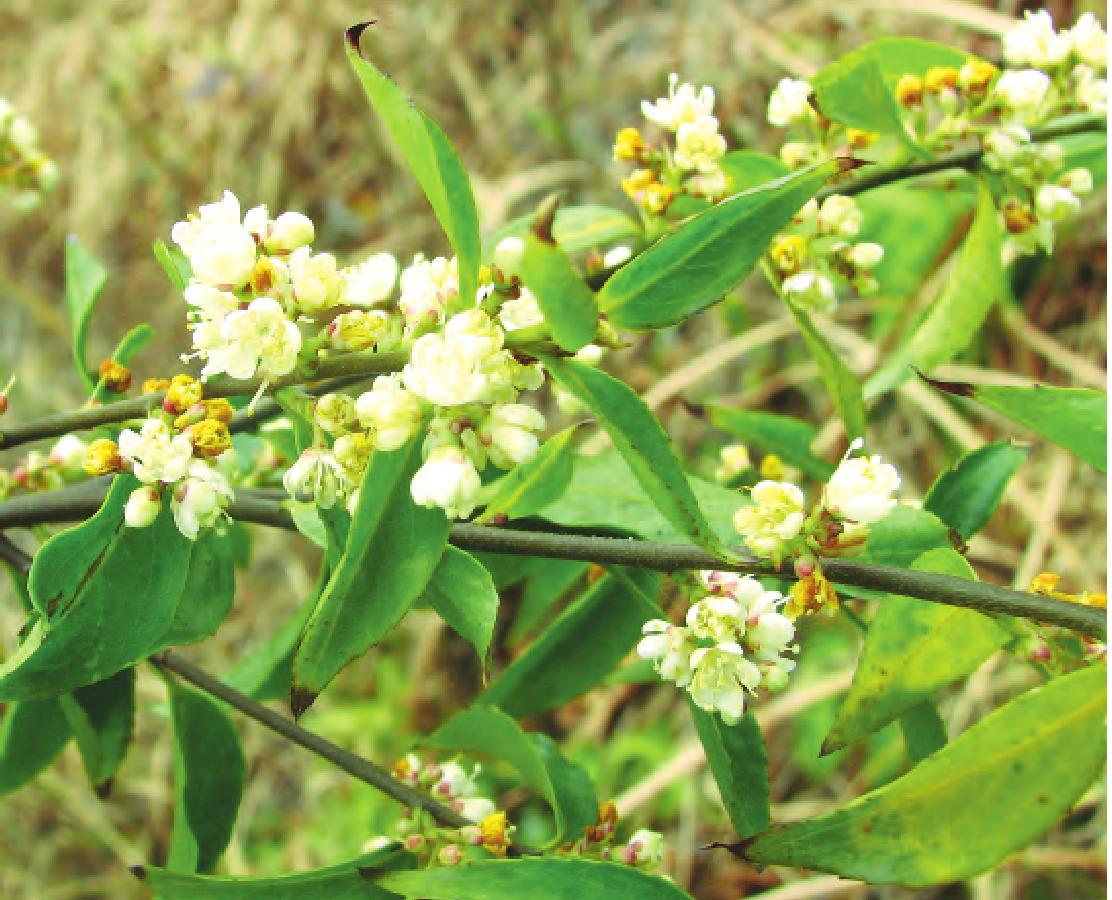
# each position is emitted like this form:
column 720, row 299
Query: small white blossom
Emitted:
column 645, row 848
column 1023, row 90
column 840, row 215
column 861, row 487
column 520, row 312
column 508, row 255
column 371, row 282
column 722, row 677
column 775, row 516
column 474, row 808
column 389, row 412
column 456, row 782
column 812, row 290
column 866, row 256
column 452, row 367
column 209, row 303
column 315, row 280
column 788, row 102
column 1055, row 202
column 1004, row 145
column 508, row 434
column 334, row 412
column 718, row 619
column 1079, row 180
column 683, row 104
column 616, row 256
column 1091, row 92
column 359, row 329
column 1034, row 42
column 221, row 250
column 258, row 339
column 447, row 480
column 427, row 286
column 156, row 454
column 199, row 499
column 669, row 648
column 288, row 232
column 699, row 146
column 69, row 452
column 142, row 507
column 1089, row 41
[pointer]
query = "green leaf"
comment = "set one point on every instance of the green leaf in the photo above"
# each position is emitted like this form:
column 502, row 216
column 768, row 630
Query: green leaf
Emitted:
column 990, row 792
column 431, row 158
column 967, row 494
column 339, row 882
column 1074, row 418
column 551, row 879
column 109, row 600
column 739, row 762
column 953, row 320
column 841, row 383
column 208, row 593
column 568, row 305
column 604, row 493
column 174, row 263
column 393, row 546
column 641, row 440
column 904, row 535
column 546, row 580
column 913, row 647
column 209, row 774
column 267, row 672
column 32, row 734
column 923, row 730
column 746, row 169
column 859, row 88
column 102, row 718
column 581, row 647
column 463, row 595
column 85, row 281
column 788, row 438
column 577, row 228
column 531, row 486
column 130, row 344
column 490, row 732
column 694, row 266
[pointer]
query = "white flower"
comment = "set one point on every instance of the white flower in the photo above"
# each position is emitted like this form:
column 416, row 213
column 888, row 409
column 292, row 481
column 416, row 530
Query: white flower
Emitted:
column 866, row 256
column 616, row 256
column 1023, row 90
column 1055, row 202
column 754, row 599
column 359, row 329
column 770, row 634
column 156, row 453
column 1091, row 92
column 142, row 507
column 645, row 848
column 370, row 282
column 775, row 516
column 839, row 215
column 717, row 619
column 811, row 289
column 259, row 339
column 1079, row 180
column 508, row 255
column 722, row 676
column 1089, row 41
column 221, row 250
column 788, row 102
column 447, row 480
column 427, row 286
column 520, row 312
column 390, row 412
column 683, row 104
column 508, row 434
column 669, row 648
column 208, row 303
column 315, row 279
column 1004, row 145
column 288, row 232
column 474, row 808
column 69, row 452
column 334, row 412
column 1034, row 42
column 452, row 368
column 795, row 154
column 199, row 500
column 860, row 488
column 455, row 781
column 699, row 145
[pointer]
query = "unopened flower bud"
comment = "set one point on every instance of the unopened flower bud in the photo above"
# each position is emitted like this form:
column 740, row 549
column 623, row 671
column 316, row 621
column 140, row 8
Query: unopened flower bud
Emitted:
column 219, row 409
column 1056, row 203
column 449, row 855
column 495, row 831
column 288, row 232
column 859, row 139
column 414, row 843
column 508, row 255
column 940, row 78
column 102, row 458
column 909, row 90
column 357, row 330
column 69, row 452
column 1079, row 181
column 645, row 848
column 142, row 507
column 182, row 393
column 209, row 437
column 975, row 76
column 114, row 376
column 866, row 256
column 155, row 384
column 629, row 146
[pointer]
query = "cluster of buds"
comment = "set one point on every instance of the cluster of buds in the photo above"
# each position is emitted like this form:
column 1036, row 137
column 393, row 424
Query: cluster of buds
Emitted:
column 734, row 641
column 185, row 449
column 460, row 386
column 455, row 785
column 26, row 173
column 688, row 163
column 816, row 254
column 1060, row 650
column 39, row 471
column 777, row 525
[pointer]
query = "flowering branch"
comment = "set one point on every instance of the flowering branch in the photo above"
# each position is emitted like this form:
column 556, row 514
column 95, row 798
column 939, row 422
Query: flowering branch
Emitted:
column 79, row 502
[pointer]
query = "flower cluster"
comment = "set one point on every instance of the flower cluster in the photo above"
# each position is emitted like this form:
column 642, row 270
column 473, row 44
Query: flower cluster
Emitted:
column 39, row 471
column 687, row 164
column 778, row 525
column 1054, row 649
column 733, row 642
column 26, row 173
column 185, row 450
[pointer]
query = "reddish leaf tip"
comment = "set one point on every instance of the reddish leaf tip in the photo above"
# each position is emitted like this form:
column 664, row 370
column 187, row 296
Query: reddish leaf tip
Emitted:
column 957, row 388
column 138, row 871
column 355, row 33
column 300, row 700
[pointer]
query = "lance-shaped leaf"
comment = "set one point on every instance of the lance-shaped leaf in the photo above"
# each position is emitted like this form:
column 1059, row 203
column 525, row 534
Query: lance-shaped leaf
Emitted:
column 130, row 344
column 463, row 595
column 568, row 305
column 576, row 228
column 209, row 773
column 641, row 440
column 32, row 734
column 109, row 601
column 990, row 792
column 558, row 879
column 912, row 648
column 1074, row 418
column 694, row 267
column 490, row 732
column 788, row 438
column 346, row 881
column 431, row 158
column 102, row 717
column 393, row 546
column 841, row 383
column 174, row 263
column 745, row 169
column 967, row 494
column 923, row 730
column 581, row 647
column 208, row 592
column 739, row 762
column 529, row 487
column 85, row 281
column 953, row 320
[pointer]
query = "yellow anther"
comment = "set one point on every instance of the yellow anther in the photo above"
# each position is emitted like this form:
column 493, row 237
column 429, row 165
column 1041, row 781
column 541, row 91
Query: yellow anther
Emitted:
column 788, row 252
column 182, row 393
column 772, row 467
column 940, row 78
column 909, row 90
column 102, row 458
column 209, row 437
column 115, row 376
column 629, row 146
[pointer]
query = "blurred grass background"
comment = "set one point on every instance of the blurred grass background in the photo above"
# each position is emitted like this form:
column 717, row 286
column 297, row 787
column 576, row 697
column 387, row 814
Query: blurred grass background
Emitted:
column 150, row 108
